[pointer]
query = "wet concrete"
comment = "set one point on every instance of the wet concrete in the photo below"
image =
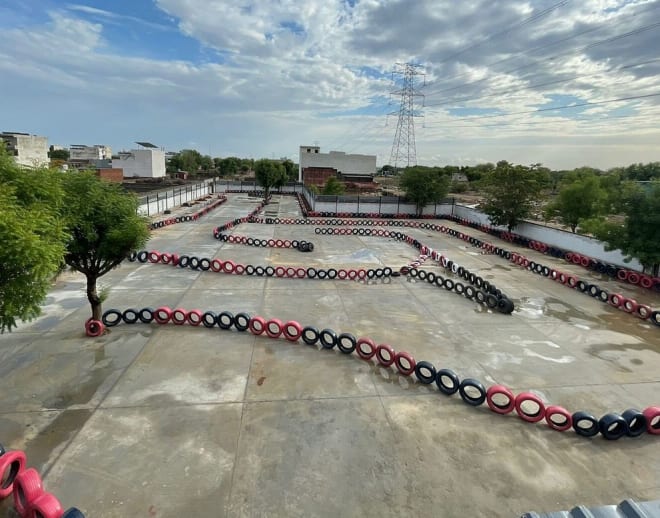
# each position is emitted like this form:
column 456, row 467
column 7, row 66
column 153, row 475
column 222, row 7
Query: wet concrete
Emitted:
column 179, row 421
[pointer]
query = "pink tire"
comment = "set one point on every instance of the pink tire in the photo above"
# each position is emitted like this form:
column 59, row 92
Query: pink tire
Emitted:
column 94, row 328
column 561, row 426
column 27, row 488
column 45, row 506
column 366, row 348
column 292, row 331
column 163, row 315
column 12, row 463
column 652, row 415
column 274, row 328
column 500, row 408
column 179, row 316
column 405, row 363
column 526, row 416
column 257, row 325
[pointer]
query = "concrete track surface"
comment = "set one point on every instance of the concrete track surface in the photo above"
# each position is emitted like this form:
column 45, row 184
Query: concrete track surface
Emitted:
column 173, row 421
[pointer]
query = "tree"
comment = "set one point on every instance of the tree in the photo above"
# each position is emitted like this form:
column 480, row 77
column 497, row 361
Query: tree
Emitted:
column 333, row 187
column 510, row 192
column 58, row 154
column 423, row 185
column 269, row 174
column 291, row 170
column 32, row 237
column 639, row 234
column 579, row 199
column 102, row 222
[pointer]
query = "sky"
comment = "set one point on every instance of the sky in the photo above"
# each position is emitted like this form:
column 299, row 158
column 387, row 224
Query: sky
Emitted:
column 562, row 83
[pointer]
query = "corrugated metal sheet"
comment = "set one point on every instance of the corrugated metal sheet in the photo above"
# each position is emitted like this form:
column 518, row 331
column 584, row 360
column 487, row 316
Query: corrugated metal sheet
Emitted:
column 626, row 509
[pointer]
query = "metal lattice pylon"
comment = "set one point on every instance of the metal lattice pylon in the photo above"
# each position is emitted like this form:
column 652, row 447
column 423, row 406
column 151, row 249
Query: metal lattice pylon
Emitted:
column 404, row 151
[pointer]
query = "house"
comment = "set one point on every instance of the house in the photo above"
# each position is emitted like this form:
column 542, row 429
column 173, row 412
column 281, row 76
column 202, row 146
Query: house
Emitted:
column 27, row 150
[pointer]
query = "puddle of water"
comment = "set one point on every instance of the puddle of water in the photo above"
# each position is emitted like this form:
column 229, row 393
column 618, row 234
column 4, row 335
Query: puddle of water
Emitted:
column 537, row 307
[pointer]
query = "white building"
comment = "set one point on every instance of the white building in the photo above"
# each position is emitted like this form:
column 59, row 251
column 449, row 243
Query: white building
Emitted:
column 27, row 150
column 144, row 163
column 360, row 165
column 95, row 152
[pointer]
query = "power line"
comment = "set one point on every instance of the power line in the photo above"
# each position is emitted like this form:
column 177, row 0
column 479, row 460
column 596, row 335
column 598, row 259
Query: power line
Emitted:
column 404, row 150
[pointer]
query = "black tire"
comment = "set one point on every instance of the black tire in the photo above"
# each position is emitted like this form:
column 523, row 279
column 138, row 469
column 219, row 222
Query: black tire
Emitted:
column 472, row 400
column 346, row 343
column 328, row 338
column 194, row 263
column 387, row 272
column 132, row 256
column 425, row 372
column 430, row 278
column 249, row 269
column 594, row 290
column 310, row 335
column 439, row 281
column 204, row 264
column 209, row 319
column 441, row 378
column 184, row 261
column 142, row 256
column 546, row 271
column 612, row 426
column 311, row 273
column 491, row 301
column 260, row 271
column 585, row 431
column 146, row 315
column 448, row 284
column 111, row 317
column 321, row 274
column 470, row 292
column 635, row 421
column 242, row 321
column 480, row 297
column 505, row 306
column 422, row 274
column 270, row 271
column 310, row 247
column 604, row 296
column 332, row 273
column 73, row 512
column 459, row 288
column 582, row 286
column 225, row 320
column 130, row 316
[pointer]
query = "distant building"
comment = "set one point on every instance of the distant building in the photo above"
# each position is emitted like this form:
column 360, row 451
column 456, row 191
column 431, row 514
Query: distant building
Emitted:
column 27, row 150
column 110, row 174
column 354, row 168
column 81, row 156
column 146, row 162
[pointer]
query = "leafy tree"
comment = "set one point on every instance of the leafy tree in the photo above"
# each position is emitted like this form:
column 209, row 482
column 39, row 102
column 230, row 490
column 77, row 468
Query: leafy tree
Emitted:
column 102, row 222
column 639, row 234
column 387, row 169
column 510, row 192
column 32, row 237
column 206, row 163
column 333, row 187
column 291, row 170
column 424, row 185
column 58, row 154
column 269, row 174
column 579, row 199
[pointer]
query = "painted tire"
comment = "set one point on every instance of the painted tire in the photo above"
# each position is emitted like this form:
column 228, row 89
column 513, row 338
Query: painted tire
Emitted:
column 526, row 416
column 45, row 506
column 474, row 384
column 425, row 372
column 274, row 328
column 225, row 320
column 652, row 415
column 310, row 335
column 94, row 328
column 385, row 355
column 179, row 316
column 111, row 318
column 163, row 315
column 242, row 322
column 500, row 408
column 629, row 305
column 643, row 311
column 369, row 344
column 584, row 417
column 561, row 426
column 11, row 464
column 346, row 343
column 257, row 325
column 616, row 299
column 612, row 426
column 405, row 363
column 635, row 421
column 292, row 331
column 194, row 317
column 27, row 488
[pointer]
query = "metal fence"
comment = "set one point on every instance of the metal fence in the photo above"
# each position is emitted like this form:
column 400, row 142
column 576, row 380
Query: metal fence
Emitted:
column 160, row 201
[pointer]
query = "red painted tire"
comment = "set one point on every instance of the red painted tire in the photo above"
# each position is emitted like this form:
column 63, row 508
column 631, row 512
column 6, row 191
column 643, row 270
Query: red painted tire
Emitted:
column 166, row 258
column 577, row 259
column 257, row 325
column 585, row 261
column 646, row 282
column 616, row 299
column 401, row 359
column 633, row 278
column 229, row 267
column 525, row 416
column 280, row 271
column 629, row 305
column 274, row 328
column 194, row 317
column 571, row 281
column 216, row 265
column 385, row 355
column 342, row 274
column 301, row 273
column 179, row 316
column 643, row 311
column 370, row 346
column 554, row 410
column 94, row 328
column 271, row 243
column 652, row 415
column 568, row 256
column 45, row 506
column 27, row 488
column 153, row 256
column 622, row 275
column 279, row 243
column 500, row 408
column 291, row 272
column 292, row 331
column 175, row 260
column 11, row 464
column 287, row 243
column 352, row 274
column 239, row 269
column 362, row 273
column 163, row 315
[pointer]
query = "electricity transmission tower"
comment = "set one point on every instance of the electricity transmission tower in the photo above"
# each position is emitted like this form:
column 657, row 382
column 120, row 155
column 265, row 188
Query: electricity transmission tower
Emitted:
column 404, row 152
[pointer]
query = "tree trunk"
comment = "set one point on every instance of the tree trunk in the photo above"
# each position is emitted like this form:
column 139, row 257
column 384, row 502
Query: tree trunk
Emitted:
column 93, row 297
column 573, row 227
column 266, row 193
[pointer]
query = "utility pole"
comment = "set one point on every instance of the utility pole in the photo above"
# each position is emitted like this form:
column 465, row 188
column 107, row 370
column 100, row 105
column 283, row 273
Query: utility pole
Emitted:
column 404, row 152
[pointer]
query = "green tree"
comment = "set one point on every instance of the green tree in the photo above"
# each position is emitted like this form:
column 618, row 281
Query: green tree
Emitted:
column 291, row 170
column 579, row 199
column 638, row 236
column 510, row 193
column 206, row 163
column 269, row 174
column 423, row 185
column 58, row 154
column 333, row 187
column 32, row 237
column 102, row 222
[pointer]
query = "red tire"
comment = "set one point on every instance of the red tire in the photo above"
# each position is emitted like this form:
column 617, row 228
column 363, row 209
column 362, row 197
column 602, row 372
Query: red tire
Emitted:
column 585, row 261
column 279, row 243
column 577, row 259
column 301, row 273
column 45, row 506
column 622, row 275
column 94, row 328
column 11, row 464
column 292, row 331
column 271, row 243
column 523, row 414
column 179, row 316
column 633, row 278
column 280, row 271
column 166, row 258
column 362, row 273
column 500, row 408
column 274, row 328
column 646, row 282
column 652, row 415
column 385, row 355
column 291, row 272
column 554, row 410
column 153, row 256
column 405, row 363
column 257, row 325
column 571, row 281
column 239, row 269
column 629, row 305
column 163, row 315
column 366, row 348
column 352, row 274
column 287, row 243
column 27, row 488
column 616, row 299
column 342, row 274
column 194, row 317
column 643, row 311
column 229, row 267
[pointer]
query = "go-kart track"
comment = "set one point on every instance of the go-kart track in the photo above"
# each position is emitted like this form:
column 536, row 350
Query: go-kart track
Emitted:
column 331, row 404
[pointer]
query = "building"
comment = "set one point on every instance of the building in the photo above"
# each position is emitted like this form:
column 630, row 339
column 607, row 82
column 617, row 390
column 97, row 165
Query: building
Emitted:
column 27, row 150
column 353, row 168
column 82, row 154
column 110, row 174
column 145, row 162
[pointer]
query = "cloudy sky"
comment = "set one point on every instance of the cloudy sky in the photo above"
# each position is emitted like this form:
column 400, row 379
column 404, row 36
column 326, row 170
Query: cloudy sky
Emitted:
column 564, row 83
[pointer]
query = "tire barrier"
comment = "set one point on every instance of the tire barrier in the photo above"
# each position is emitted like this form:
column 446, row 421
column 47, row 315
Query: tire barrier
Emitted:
column 501, row 400
column 190, row 217
column 27, row 489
